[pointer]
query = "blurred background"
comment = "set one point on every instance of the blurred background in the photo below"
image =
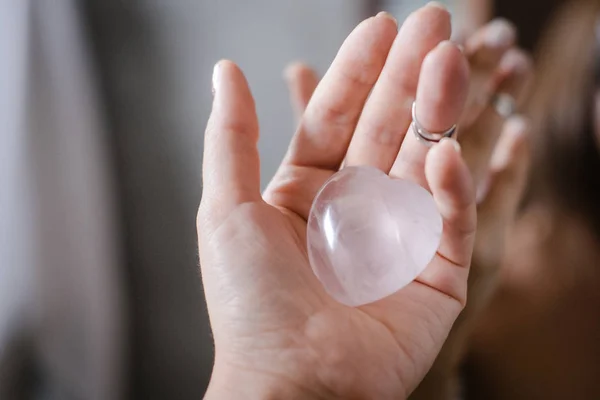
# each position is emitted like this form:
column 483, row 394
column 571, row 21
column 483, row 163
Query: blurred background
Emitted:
column 103, row 105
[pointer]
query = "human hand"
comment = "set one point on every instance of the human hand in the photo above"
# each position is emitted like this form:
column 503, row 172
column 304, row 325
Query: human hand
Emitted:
column 494, row 147
column 277, row 333
column 496, row 152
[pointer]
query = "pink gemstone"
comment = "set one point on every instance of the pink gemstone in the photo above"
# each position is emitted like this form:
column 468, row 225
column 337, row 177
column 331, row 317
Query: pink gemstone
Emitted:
column 369, row 235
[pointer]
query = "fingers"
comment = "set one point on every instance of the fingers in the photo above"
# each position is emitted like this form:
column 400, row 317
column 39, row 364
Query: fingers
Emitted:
column 231, row 172
column 501, row 194
column 473, row 15
column 484, row 50
column 514, row 74
column 452, row 188
column 302, row 82
column 387, row 114
column 508, row 171
column 331, row 116
column 440, row 100
column 487, row 46
column 329, row 120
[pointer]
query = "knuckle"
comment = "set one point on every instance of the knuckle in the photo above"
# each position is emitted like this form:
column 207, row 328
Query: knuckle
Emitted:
column 362, row 75
column 237, row 129
column 383, row 134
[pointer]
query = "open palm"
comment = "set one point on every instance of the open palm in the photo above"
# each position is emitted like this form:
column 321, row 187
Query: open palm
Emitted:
column 495, row 148
column 274, row 325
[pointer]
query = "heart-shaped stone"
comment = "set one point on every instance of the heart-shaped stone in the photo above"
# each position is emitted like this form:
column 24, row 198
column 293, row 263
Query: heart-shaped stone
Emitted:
column 369, row 235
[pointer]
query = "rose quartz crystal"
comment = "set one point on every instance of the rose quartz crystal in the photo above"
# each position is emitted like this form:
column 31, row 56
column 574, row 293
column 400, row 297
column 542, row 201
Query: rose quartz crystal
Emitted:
column 369, row 235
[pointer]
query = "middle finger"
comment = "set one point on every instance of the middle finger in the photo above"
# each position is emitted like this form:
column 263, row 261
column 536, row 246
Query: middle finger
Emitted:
column 387, row 114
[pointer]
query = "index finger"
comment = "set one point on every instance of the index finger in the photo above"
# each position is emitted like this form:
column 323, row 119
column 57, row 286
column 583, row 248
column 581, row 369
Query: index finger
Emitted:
column 331, row 116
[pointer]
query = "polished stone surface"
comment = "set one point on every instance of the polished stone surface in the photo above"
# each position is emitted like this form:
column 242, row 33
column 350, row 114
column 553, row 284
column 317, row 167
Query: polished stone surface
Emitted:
column 369, row 235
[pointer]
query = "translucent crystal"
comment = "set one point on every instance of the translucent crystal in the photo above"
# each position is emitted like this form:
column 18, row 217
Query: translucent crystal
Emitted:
column 369, row 235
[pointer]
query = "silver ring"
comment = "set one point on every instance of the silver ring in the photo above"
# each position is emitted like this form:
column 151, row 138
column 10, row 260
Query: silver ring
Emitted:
column 428, row 138
column 504, row 104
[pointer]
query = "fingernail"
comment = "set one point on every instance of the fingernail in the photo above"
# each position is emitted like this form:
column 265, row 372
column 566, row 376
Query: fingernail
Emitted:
column 437, row 4
column 385, row 14
column 216, row 77
column 461, row 48
column 483, row 190
column 514, row 62
column 454, row 143
column 500, row 33
column 288, row 72
column 446, row 43
column 516, row 128
column 517, row 125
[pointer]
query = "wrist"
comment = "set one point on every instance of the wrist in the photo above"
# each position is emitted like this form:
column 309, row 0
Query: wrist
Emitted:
column 229, row 382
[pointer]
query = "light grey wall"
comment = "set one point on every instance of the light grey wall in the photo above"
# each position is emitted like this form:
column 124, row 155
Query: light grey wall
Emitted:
column 262, row 37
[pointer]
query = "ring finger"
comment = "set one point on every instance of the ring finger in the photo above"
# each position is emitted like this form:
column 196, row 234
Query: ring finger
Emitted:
column 441, row 96
column 386, row 116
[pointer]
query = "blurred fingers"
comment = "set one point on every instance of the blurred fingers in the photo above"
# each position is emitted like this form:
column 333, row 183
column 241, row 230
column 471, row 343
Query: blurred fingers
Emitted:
column 473, row 15
column 485, row 50
column 508, row 171
column 502, row 193
column 487, row 46
column 302, row 82
column 514, row 76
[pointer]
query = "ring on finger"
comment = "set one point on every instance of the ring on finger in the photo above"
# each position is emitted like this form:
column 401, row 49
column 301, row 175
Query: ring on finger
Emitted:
column 426, row 137
column 504, row 104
